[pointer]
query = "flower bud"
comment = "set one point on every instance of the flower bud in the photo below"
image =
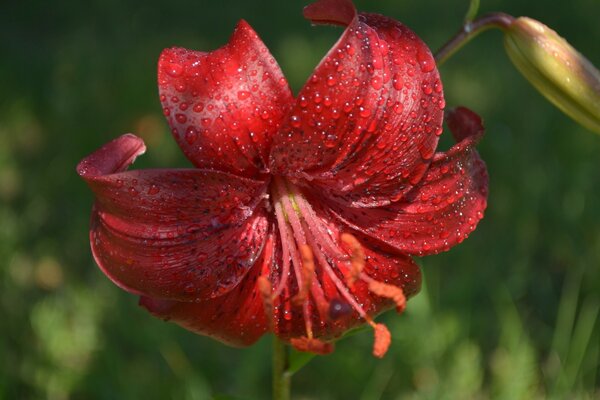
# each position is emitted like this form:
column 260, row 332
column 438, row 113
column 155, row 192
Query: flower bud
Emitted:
column 556, row 69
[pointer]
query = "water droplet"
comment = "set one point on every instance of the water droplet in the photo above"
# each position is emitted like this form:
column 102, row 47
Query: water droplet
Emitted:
column 303, row 101
column 191, row 134
column 295, row 121
column 376, row 83
column 331, row 81
column 398, row 108
column 243, row 94
column 339, row 308
column 174, row 70
column 152, row 190
column 317, row 98
column 398, row 81
column 287, row 315
column 181, row 118
column 425, row 60
column 331, row 141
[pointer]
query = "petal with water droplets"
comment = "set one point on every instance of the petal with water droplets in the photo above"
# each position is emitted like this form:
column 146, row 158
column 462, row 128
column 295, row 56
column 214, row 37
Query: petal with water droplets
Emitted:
column 172, row 234
column 438, row 213
column 365, row 125
column 236, row 318
column 224, row 106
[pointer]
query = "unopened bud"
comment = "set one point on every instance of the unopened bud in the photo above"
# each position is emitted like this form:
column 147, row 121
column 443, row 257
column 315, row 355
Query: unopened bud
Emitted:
column 556, row 69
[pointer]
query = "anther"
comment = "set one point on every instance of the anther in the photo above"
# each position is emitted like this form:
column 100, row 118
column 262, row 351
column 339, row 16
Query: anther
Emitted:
column 388, row 291
column 383, row 339
column 357, row 258
column 312, row 345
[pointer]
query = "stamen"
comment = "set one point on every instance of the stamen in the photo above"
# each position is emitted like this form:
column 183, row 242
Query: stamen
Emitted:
column 312, row 221
column 392, row 292
column 308, row 272
column 357, row 259
column 264, row 287
column 285, row 239
column 383, row 339
column 312, row 345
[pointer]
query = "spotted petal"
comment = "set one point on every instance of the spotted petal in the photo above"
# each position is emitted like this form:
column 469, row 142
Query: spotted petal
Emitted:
column 224, row 106
column 365, row 126
column 438, row 213
column 236, row 318
column 172, row 234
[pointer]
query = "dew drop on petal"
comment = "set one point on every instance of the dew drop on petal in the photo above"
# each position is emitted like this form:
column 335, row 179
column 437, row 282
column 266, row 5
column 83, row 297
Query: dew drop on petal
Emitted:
column 295, row 121
column 243, row 94
column 174, row 70
column 330, row 140
column 153, row 189
column 339, row 309
column 398, row 81
column 191, row 134
column 425, row 60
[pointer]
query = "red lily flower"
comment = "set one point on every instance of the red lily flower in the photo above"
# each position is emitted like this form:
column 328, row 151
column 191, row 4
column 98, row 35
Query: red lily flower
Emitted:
column 303, row 213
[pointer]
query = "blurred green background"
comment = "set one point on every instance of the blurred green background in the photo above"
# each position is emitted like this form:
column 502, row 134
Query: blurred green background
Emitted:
column 512, row 313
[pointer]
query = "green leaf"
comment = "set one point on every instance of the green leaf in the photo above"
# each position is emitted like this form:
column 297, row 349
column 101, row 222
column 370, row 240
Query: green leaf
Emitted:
column 298, row 359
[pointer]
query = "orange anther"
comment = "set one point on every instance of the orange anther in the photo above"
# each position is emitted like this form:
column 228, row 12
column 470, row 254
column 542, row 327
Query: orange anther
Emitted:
column 383, row 339
column 312, row 345
column 308, row 272
column 389, row 291
column 357, row 258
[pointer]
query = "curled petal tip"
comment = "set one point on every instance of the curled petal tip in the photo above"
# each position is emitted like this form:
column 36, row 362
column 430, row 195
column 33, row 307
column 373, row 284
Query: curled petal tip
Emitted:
column 464, row 123
column 336, row 12
column 557, row 70
column 113, row 157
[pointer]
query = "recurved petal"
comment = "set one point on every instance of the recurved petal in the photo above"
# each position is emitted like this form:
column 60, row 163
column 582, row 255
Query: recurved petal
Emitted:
column 236, row 318
column 365, row 125
column 172, row 234
column 440, row 212
column 224, row 106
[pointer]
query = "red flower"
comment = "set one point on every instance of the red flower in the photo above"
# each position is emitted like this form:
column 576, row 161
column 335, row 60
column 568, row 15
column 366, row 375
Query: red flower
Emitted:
column 303, row 213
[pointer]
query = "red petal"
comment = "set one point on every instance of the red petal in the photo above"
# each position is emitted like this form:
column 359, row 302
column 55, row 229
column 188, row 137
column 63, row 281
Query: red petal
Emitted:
column 366, row 124
column 338, row 12
column 438, row 213
column 236, row 318
column 174, row 234
column 224, row 106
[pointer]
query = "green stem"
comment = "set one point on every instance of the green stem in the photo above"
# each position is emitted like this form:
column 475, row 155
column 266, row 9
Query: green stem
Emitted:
column 469, row 30
column 281, row 377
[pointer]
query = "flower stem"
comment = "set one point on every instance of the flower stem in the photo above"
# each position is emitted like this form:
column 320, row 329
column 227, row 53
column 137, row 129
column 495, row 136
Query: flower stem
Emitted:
column 281, row 377
column 469, row 30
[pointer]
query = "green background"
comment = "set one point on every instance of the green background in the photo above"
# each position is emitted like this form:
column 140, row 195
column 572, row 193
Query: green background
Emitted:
column 512, row 313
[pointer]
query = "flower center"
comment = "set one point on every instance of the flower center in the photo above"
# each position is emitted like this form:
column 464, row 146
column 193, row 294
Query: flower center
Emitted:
column 309, row 251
